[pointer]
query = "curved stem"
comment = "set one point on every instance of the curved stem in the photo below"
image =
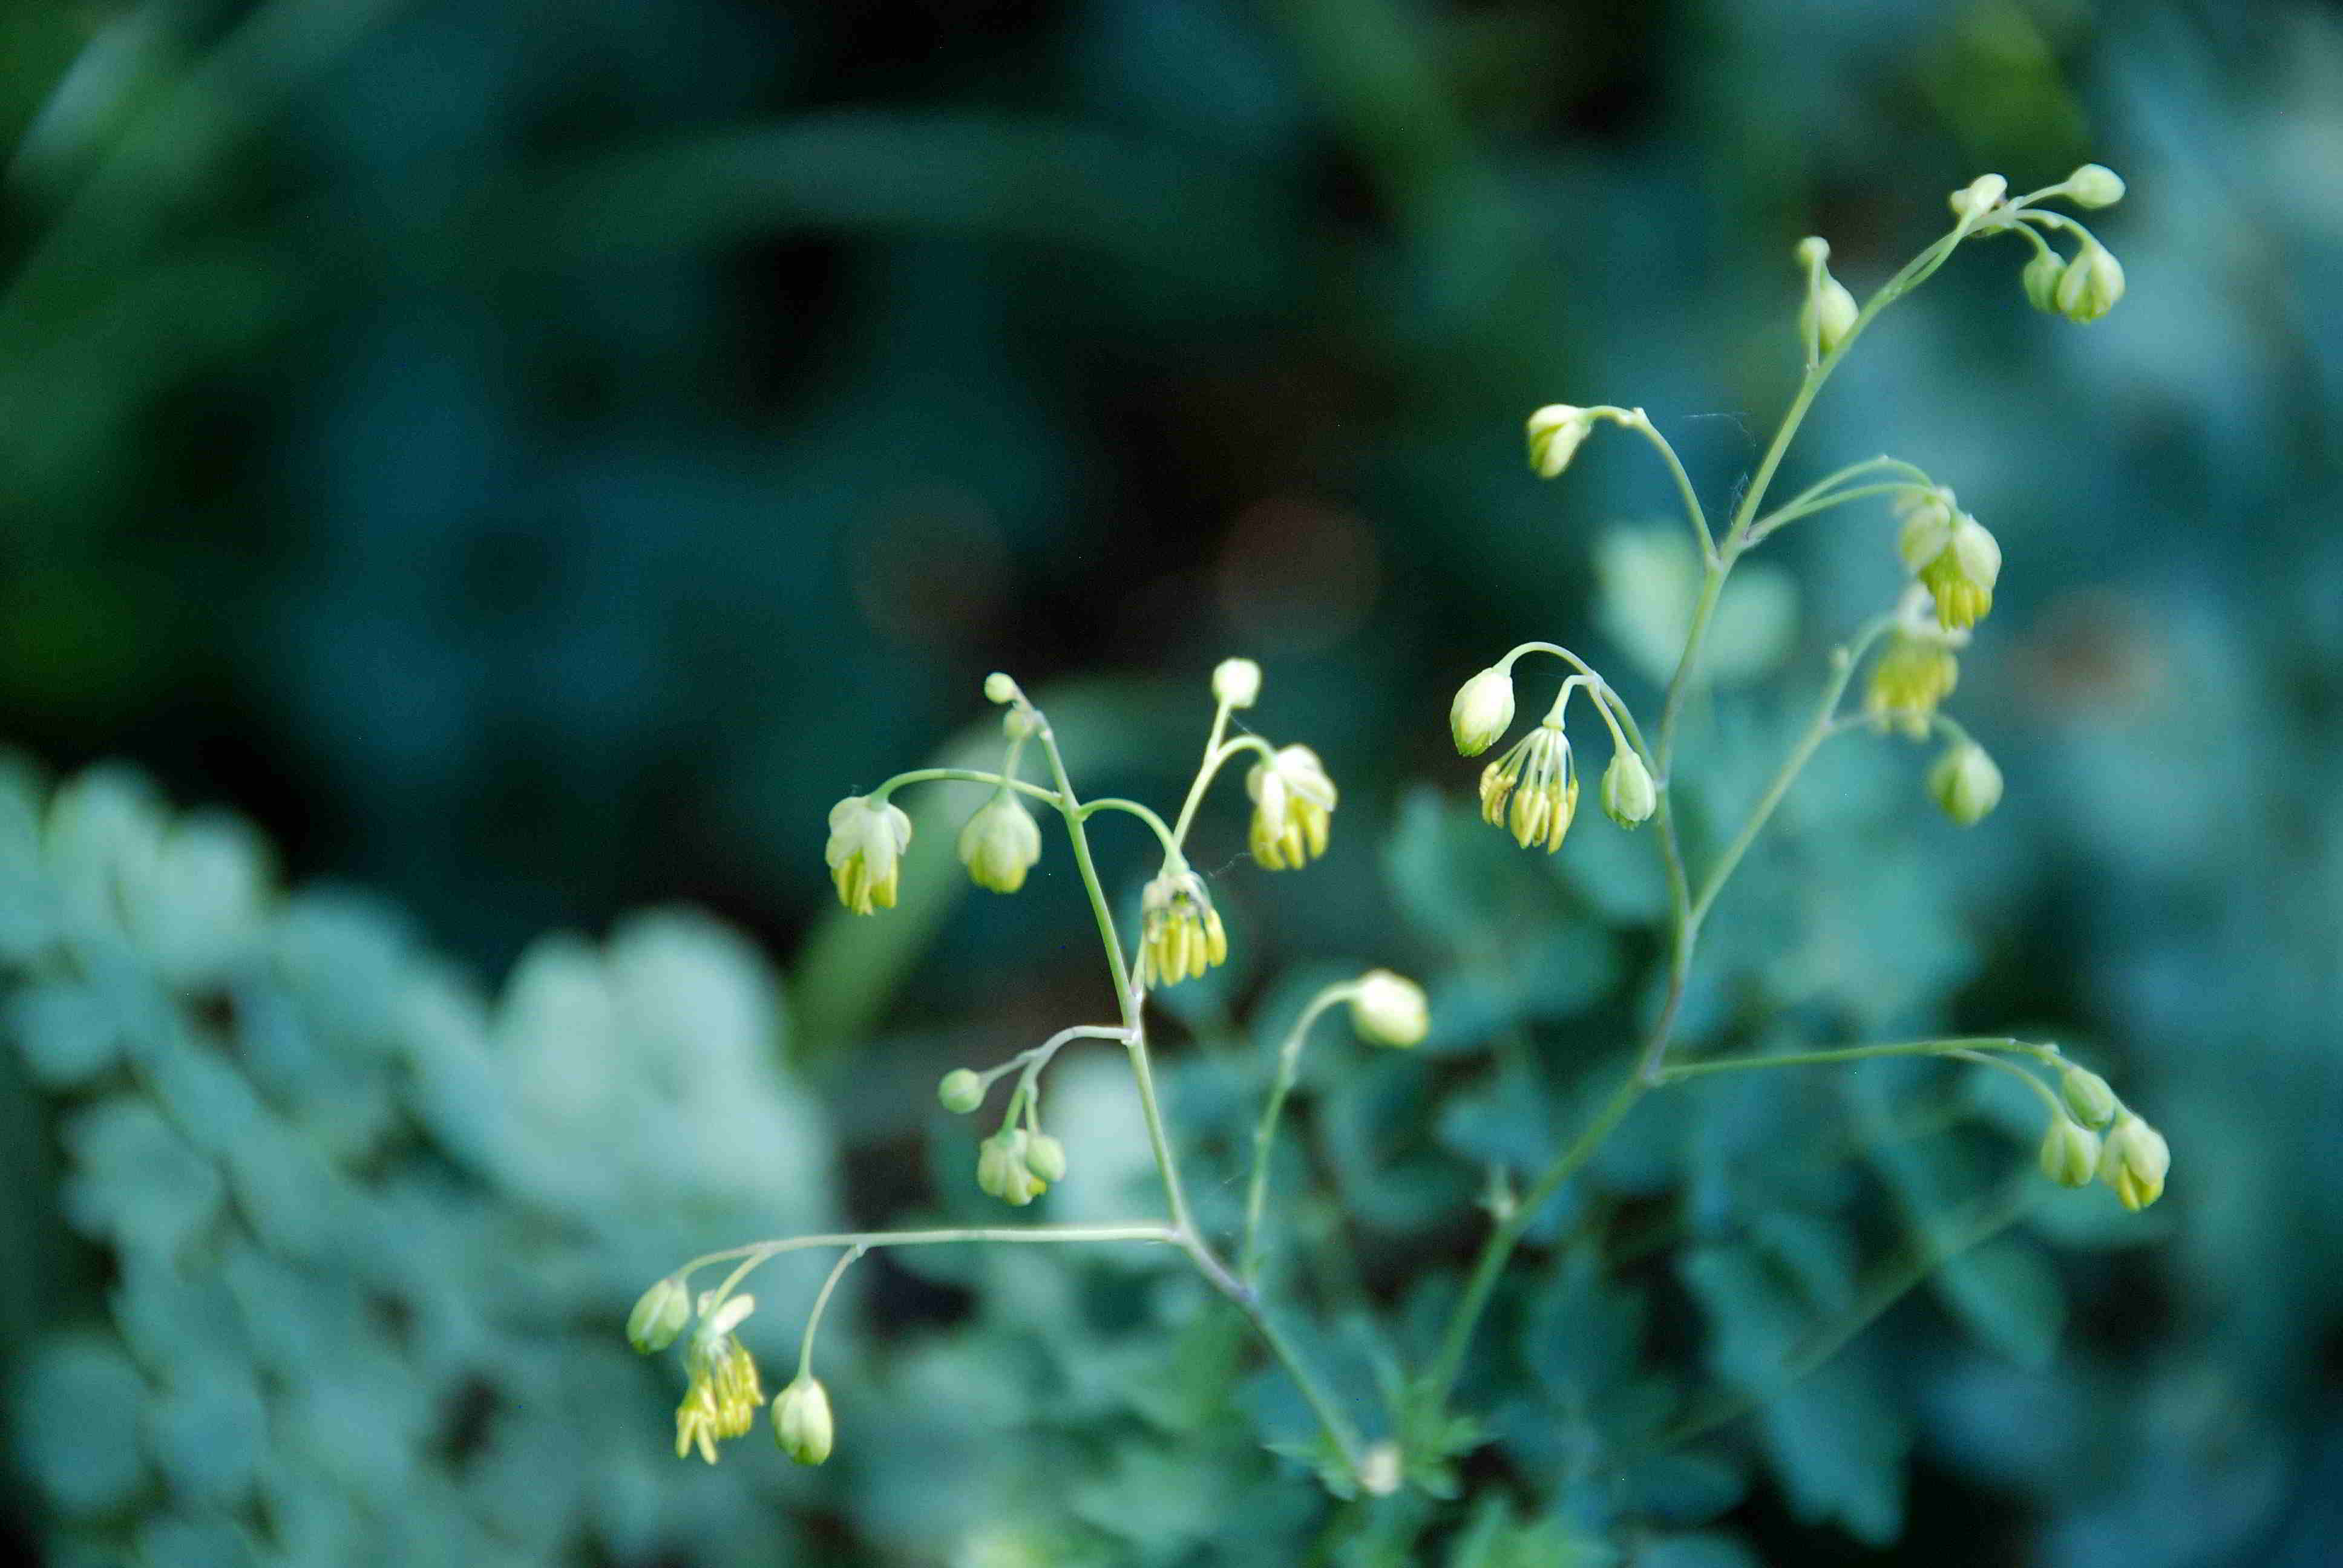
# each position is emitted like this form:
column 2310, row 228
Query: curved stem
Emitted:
column 1204, row 771
column 1289, row 1063
column 1144, row 813
column 965, row 776
column 1637, row 419
column 759, row 1251
column 822, row 1303
column 1843, row 666
column 1614, row 710
column 2031, row 1082
column 1041, row 1054
column 1336, row 1426
column 1791, row 511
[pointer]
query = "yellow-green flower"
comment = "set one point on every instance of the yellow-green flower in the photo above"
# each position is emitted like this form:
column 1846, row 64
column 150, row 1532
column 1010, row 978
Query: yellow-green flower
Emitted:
column 1180, row 932
column 1916, row 671
column 1531, row 790
column 1628, row 795
column 999, row 844
column 658, row 1316
column 1292, row 798
column 1389, row 1010
column 1555, row 434
column 1004, row 1168
column 867, row 840
column 2134, row 1160
column 1965, row 783
column 1482, row 711
column 2070, row 1154
column 724, row 1395
column 1953, row 554
column 2091, row 285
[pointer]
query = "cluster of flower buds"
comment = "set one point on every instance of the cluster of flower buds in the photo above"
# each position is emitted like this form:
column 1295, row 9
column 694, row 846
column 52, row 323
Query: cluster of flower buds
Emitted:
column 1291, row 799
column 2083, row 287
column 1180, row 932
column 2094, row 1137
column 723, row 1395
column 1017, row 1166
column 1918, row 669
column 1532, row 791
column 1950, row 553
column 867, row 840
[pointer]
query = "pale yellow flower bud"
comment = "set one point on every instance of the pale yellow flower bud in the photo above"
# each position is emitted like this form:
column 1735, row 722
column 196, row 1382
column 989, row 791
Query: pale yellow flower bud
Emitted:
column 1555, row 433
column 2095, row 184
column 1482, row 711
column 1977, row 197
column 2041, row 280
column 1237, row 682
column 1045, row 1157
column 1628, row 795
column 999, row 843
column 2091, row 285
column 2070, row 1154
column 801, row 1420
column 1830, row 312
column 658, row 1316
column 1964, row 783
column 2086, row 1094
column 960, row 1091
column 1389, row 1010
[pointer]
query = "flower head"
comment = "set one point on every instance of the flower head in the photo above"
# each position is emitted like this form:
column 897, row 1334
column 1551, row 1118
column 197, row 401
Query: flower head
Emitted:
column 801, row 1422
column 1180, row 932
column 1389, row 1010
column 867, row 840
column 2134, row 1160
column 1531, row 790
column 724, row 1395
column 1965, row 783
column 999, row 843
column 1953, row 554
column 1482, row 711
column 1292, row 796
column 1918, row 671
column 1004, row 1168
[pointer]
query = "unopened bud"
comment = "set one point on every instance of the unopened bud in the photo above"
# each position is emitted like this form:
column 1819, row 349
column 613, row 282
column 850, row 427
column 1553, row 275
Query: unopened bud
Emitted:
column 2095, row 184
column 1964, row 783
column 1236, row 682
column 998, row 688
column 2087, row 1096
column 2091, row 284
column 658, row 1316
column 1628, row 797
column 1389, row 1010
column 1555, row 433
column 1045, row 1157
column 1974, row 200
column 999, row 843
column 961, row 1090
column 801, row 1420
column 1830, row 312
column 1482, row 711
column 2070, row 1154
column 2041, row 279
column 2135, row 1160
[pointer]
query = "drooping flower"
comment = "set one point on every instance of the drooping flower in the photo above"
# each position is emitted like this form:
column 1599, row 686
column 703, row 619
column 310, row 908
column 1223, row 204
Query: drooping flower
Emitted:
column 999, row 843
column 1292, row 798
column 1531, row 790
column 867, row 840
column 1180, row 932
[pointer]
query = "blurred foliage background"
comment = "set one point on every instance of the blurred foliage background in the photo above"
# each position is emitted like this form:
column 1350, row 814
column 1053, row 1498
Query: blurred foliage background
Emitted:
column 525, row 461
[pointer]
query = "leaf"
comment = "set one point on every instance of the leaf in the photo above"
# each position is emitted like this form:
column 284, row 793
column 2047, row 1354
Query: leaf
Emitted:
column 76, row 1406
column 2009, row 1297
column 1705, row 1551
column 1581, row 1333
column 1839, row 1445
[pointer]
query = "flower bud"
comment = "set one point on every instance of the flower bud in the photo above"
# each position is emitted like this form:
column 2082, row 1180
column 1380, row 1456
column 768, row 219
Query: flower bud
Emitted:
column 2090, row 285
column 2095, row 184
column 1628, row 797
column 2134, row 1160
column 801, row 1420
column 1555, row 433
column 1002, row 1169
column 1389, row 1010
column 658, row 1316
column 1237, row 682
column 1482, row 711
column 1045, row 1157
column 999, row 843
column 2041, row 279
column 867, row 840
column 961, row 1090
column 1830, row 312
column 2070, row 1154
column 998, row 688
column 1964, row 783
column 2087, row 1096
column 1974, row 200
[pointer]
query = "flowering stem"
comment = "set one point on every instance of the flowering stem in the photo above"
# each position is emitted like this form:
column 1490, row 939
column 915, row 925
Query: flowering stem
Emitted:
column 1968, row 1043
column 1636, row 419
column 759, row 1251
column 1843, row 660
column 1204, row 771
column 1998, row 1065
column 1289, row 1062
column 1791, row 511
column 820, row 1302
column 1144, row 813
column 1070, row 809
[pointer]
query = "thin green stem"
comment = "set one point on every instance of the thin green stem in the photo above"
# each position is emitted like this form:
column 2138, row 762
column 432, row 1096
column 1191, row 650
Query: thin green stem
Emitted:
column 1612, row 707
column 1144, row 813
column 820, row 1305
column 1264, row 1135
column 1049, row 1048
column 1145, row 1074
column 1070, row 809
column 1204, row 771
column 1843, row 661
column 1682, row 1071
column 2030, row 1081
column 1637, row 419
column 1791, row 511
column 1330, row 1420
column 759, row 1251
column 1499, row 1248
column 965, row 776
